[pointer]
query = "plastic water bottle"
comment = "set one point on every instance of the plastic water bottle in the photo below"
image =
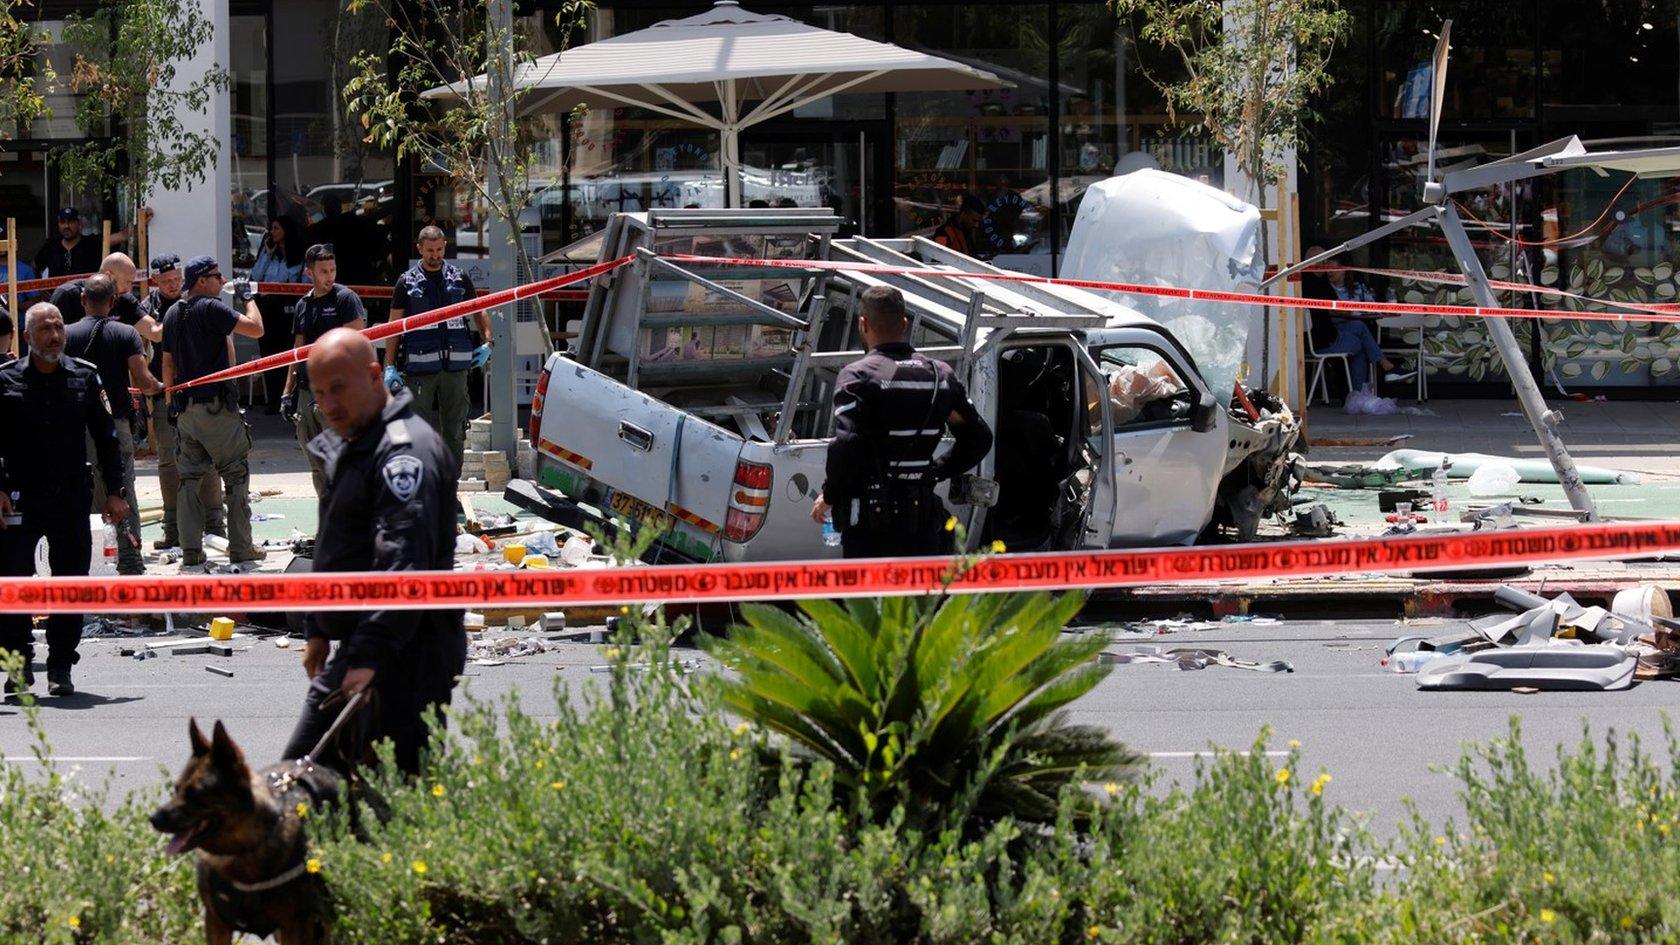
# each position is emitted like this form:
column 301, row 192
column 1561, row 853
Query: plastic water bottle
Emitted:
column 108, row 553
column 831, row 535
column 1438, row 485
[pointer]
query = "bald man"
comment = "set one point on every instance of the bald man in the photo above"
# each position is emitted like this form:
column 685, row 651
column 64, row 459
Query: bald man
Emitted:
column 126, row 309
column 389, row 505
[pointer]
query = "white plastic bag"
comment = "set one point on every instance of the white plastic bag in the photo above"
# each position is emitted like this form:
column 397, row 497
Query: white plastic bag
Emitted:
column 1364, row 402
column 1494, row 479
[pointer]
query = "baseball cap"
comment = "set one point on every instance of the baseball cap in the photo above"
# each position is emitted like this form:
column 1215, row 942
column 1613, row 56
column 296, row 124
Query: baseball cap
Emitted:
column 164, row 262
column 69, row 213
column 197, row 267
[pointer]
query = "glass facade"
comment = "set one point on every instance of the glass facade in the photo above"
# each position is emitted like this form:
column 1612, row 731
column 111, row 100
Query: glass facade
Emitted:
column 1080, row 105
column 1521, row 74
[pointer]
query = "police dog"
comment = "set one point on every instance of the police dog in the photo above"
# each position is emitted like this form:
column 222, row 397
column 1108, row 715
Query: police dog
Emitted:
column 248, row 830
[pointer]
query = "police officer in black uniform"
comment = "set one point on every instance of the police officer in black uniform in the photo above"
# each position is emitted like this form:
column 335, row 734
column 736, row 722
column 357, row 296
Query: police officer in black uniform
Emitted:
column 389, row 506
column 890, row 409
column 50, row 405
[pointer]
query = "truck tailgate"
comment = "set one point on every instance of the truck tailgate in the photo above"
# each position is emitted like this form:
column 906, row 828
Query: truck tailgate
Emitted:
column 644, row 459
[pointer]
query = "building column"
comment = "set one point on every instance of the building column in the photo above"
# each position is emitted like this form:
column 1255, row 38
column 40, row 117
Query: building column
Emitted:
column 198, row 219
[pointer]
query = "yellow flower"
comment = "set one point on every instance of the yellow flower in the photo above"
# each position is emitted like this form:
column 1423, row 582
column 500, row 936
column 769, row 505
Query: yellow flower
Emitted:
column 302, row 811
column 437, row 790
column 624, row 608
column 1662, row 829
column 384, row 857
column 734, row 754
column 1093, row 932
column 476, row 760
column 1627, row 921
column 419, row 867
column 951, row 524
column 1548, row 877
column 742, row 729
column 1282, row 775
column 1440, row 841
column 1319, row 783
column 74, row 921
column 537, row 764
column 1294, row 744
column 558, row 785
column 999, row 548
column 313, row 866
column 1548, row 916
column 1111, row 788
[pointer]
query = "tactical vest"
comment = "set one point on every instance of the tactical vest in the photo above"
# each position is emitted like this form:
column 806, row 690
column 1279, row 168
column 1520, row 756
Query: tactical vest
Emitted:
column 446, row 346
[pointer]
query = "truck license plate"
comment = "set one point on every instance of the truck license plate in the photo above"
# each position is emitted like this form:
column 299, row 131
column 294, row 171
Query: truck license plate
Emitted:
column 638, row 511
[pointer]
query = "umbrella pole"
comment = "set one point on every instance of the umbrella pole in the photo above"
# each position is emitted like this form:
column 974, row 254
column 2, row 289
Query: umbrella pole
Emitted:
column 731, row 147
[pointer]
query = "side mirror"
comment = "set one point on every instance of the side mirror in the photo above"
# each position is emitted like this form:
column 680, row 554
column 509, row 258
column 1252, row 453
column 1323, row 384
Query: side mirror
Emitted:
column 1204, row 414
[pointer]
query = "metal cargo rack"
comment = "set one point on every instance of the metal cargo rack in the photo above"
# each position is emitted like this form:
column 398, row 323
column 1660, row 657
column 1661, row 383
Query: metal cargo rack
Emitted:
column 967, row 313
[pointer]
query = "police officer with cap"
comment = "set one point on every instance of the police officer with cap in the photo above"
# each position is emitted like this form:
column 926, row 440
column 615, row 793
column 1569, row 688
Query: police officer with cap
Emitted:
column 389, row 506
column 169, row 280
column 890, row 409
column 50, row 405
column 211, row 436
column 326, row 306
column 436, row 359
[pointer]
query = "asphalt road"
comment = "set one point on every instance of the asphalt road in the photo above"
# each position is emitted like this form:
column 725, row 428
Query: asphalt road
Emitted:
column 1372, row 730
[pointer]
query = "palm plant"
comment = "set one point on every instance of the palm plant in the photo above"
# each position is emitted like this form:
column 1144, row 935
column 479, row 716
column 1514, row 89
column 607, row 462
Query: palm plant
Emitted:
column 948, row 708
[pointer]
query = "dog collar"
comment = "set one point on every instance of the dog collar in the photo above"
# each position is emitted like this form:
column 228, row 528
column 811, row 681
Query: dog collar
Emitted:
column 267, row 884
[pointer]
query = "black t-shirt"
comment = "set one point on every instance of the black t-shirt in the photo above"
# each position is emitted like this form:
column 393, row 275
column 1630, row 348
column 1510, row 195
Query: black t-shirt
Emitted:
column 195, row 334
column 68, row 299
column 156, row 306
column 52, row 259
column 107, row 344
column 314, row 316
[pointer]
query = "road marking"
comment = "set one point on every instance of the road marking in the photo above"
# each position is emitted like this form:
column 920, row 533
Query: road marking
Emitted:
column 81, row 759
column 1210, row 754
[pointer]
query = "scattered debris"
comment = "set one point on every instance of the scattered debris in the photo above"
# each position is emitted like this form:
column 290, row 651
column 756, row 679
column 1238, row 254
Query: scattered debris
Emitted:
column 219, row 671
column 1555, row 644
column 1464, row 466
column 1395, row 440
column 495, row 652
column 1315, row 521
column 1190, row 659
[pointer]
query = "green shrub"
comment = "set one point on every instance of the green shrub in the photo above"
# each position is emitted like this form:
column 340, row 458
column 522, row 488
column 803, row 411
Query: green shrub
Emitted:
column 72, row 872
column 1586, row 851
column 946, row 709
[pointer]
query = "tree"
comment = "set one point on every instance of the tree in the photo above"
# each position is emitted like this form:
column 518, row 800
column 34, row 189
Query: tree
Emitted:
column 475, row 140
column 1251, row 70
column 22, row 73
column 128, row 55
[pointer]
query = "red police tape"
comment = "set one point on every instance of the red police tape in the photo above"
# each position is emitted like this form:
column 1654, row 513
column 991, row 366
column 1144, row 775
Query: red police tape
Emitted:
column 1177, row 292
column 412, row 322
column 679, row 584
column 538, row 289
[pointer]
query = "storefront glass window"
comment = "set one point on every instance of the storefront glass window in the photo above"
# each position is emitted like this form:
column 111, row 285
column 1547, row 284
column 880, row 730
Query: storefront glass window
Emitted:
column 328, row 184
column 248, row 101
column 987, row 148
column 1493, row 58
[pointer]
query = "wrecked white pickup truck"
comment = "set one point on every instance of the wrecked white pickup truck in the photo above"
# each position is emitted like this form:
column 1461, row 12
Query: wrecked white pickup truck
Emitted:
column 696, row 398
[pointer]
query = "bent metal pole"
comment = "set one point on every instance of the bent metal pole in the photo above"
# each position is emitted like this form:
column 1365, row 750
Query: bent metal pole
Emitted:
column 1543, row 420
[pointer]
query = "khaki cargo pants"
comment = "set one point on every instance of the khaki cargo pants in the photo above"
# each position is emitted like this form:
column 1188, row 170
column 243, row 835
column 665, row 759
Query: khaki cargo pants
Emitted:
column 441, row 400
column 309, row 427
column 169, row 477
column 214, row 441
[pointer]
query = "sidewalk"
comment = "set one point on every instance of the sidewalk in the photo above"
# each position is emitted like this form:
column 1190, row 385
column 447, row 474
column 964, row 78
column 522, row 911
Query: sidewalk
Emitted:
column 1637, row 437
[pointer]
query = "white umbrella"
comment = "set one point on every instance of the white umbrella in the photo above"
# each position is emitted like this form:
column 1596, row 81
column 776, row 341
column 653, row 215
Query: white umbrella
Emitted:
column 731, row 57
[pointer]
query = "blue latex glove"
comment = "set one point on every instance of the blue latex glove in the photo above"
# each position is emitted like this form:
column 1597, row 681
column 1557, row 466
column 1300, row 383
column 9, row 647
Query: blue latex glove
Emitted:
column 393, row 380
column 481, row 356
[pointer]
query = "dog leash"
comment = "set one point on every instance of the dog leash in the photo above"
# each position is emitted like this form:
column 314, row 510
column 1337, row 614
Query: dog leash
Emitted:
column 350, row 707
column 284, row 782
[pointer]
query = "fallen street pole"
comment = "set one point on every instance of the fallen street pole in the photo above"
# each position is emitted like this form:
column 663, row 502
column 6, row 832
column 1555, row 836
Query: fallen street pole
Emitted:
column 686, row 584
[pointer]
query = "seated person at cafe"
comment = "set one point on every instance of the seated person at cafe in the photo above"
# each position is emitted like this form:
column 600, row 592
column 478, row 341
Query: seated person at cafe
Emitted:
column 1353, row 336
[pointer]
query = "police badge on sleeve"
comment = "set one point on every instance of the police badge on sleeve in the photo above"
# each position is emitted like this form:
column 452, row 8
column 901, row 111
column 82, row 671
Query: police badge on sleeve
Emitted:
column 402, row 476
